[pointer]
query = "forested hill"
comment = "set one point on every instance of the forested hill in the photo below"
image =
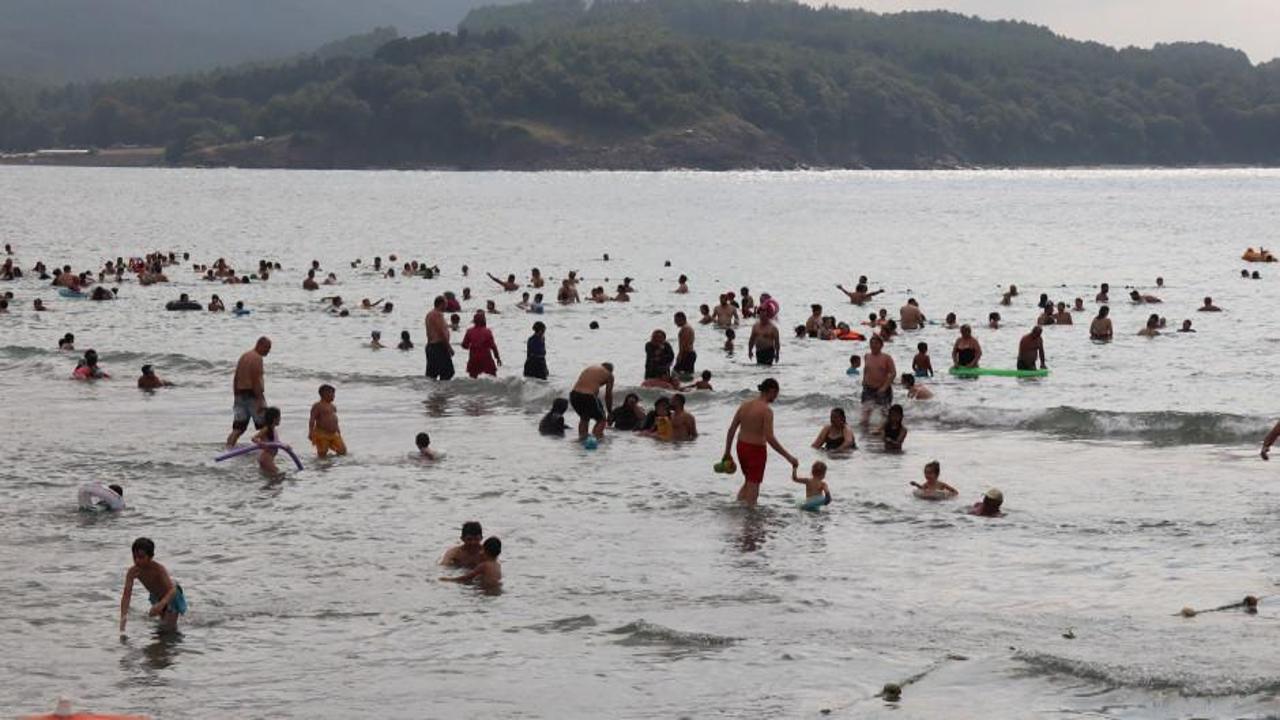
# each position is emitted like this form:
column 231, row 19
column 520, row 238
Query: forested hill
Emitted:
column 57, row 40
column 695, row 83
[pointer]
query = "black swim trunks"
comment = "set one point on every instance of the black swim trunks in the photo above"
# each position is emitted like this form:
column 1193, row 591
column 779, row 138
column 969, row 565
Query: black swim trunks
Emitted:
column 871, row 395
column 536, row 367
column 439, row 361
column 765, row 356
column 587, row 406
column 685, row 363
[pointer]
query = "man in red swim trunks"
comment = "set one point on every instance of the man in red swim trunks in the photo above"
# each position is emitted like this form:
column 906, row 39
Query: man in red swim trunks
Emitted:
column 753, row 424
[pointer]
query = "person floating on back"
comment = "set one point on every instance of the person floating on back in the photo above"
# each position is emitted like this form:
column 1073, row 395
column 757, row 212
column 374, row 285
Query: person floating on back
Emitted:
column 166, row 597
column 322, row 429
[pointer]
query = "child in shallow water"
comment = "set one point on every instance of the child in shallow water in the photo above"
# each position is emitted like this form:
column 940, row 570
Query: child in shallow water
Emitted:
column 267, row 456
column 423, row 442
column 816, row 492
column 933, row 488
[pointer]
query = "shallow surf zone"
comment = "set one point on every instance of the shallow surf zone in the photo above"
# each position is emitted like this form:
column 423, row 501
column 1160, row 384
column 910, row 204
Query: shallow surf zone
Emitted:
column 635, row 586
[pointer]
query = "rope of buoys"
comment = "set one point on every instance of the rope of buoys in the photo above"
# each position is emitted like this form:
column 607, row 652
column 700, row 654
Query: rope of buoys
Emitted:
column 892, row 692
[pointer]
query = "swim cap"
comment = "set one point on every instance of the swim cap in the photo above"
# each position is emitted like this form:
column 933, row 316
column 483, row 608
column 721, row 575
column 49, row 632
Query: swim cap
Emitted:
column 995, row 495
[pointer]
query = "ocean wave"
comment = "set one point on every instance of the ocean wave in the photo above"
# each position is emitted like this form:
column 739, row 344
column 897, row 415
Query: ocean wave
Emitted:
column 644, row 633
column 1188, row 685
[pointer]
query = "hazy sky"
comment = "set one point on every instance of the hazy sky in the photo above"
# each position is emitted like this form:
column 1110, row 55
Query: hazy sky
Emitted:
column 1249, row 25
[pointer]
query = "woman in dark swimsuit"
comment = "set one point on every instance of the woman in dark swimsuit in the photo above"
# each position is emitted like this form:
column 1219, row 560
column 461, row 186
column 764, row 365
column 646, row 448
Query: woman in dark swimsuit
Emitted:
column 658, row 356
column 836, row 436
column 895, row 433
column 966, row 352
column 629, row 415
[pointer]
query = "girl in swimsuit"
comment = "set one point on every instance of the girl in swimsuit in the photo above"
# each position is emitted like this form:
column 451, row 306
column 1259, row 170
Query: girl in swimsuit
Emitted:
column 895, row 433
column 836, row 436
column 267, row 456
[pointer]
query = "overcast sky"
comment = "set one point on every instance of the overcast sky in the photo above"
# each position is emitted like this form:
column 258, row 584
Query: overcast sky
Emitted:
column 1249, row 25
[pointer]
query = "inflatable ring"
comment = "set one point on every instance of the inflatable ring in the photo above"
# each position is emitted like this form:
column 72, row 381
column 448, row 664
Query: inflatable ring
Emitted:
column 254, row 447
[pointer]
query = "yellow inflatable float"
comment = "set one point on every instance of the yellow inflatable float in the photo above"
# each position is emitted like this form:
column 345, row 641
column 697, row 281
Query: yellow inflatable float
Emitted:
column 1259, row 255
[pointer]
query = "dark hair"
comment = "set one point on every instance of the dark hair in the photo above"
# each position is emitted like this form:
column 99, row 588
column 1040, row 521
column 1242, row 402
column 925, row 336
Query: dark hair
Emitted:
column 539, row 327
column 937, row 466
column 896, row 409
column 271, row 416
column 730, row 334
column 327, row 386
column 680, row 317
column 677, row 399
column 493, row 547
column 684, row 278
column 768, row 384
column 116, row 489
column 559, row 405
column 594, row 325
column 923, row 347
column 144, row 546
column 422, row 440
column 908, row 379
column 471, row 528
column 706, row 374
column 839, row 412
column 146, row 370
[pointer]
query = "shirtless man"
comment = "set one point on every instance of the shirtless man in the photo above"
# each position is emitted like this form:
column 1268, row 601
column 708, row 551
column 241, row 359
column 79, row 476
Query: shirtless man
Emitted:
column 1152, row 328
column 765, row 345
column 467, row 554
column 1063, row 316
column 1140, row 299
column 753, row 425
column 568, row 293
column 510, row 284
column 166, row 597
column 813, row 325
column 585, row 398
column 859, row 296
column 725, row 314
column 1100, row 328
column 683, row 425
column 439, row 351
column 1031, row 347
column 686, row 357
column 878, row 372
column 1209, row 306
column 1103, row 294
column 967, row 351
column 910, row 316
column 249, row 388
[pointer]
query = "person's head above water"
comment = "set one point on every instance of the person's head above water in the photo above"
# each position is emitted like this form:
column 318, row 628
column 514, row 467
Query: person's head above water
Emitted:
column 422, row 440
column 559, row 405
column 908, row 380
column 116, row 489
column 143, row 549
column 472, row 531
column 263, row 345
column 838, row 417
column 855, row 360
column 769, row 389
column 493, row 547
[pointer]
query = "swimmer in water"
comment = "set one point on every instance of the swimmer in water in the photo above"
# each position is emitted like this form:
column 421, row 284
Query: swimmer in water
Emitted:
column 148, row 380
column 836, row 435
column 859, row 295
column 855, row 365
column 468, row 553
column 989, row 505
column 422, row 441
column 1104, row 293
column 1140, row 299
column 406, row 342
column 933, row 488
column 1186, row 327
column 683, row 287
column 1031, row 348
column 1100, row 328
column 895, row 433
column 966, row 352
column 815, row 486
column 267, row 455
column 166, row 597
column 96, row 496
column 921, row 365
column 910, row 316
column 684, row 426
column 1153, row 327
column 914, row 391
column 754, row 419
column 993, row 321
column 729, row 336
column 488, row 573
column 322, row 428
column 725, row 314
column 1209, row 306
column 704, row 383
column 375, row 340
column 765, row 344
column 553, row 422
column 1063, row 316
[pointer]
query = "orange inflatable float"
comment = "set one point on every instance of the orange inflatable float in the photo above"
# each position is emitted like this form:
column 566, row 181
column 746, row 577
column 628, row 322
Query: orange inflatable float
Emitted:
column 1259, row 255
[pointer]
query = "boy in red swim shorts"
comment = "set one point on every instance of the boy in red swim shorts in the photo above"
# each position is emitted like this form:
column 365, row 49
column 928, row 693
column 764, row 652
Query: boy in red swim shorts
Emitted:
column 753, row 426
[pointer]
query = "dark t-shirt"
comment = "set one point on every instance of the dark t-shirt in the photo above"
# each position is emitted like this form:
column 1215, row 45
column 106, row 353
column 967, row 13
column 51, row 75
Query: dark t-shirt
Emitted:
column 552, row 424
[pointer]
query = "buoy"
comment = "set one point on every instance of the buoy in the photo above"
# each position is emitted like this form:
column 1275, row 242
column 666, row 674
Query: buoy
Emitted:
column 891, row 692
column 591, row 443
column 1188, row 612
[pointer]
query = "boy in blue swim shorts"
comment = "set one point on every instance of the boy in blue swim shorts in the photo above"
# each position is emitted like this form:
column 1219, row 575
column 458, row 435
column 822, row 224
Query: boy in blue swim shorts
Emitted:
column 166, row 596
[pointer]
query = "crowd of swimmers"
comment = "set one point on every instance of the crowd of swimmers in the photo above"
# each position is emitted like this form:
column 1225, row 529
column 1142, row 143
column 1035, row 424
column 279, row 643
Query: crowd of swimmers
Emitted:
column 673, row 368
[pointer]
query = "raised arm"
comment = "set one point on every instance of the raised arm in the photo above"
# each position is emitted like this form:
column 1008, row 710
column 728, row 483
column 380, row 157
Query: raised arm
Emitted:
column 821, row 439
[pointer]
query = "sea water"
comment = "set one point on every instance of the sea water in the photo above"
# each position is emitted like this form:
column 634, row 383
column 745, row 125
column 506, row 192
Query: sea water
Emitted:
column 634, row 586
